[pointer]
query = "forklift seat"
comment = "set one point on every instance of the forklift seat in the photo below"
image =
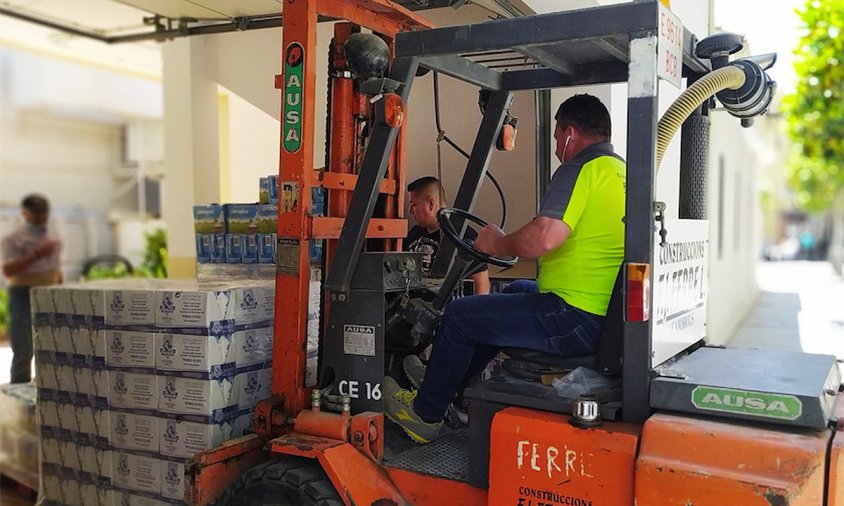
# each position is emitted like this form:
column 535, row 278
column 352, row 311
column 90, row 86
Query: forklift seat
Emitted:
column 608, row 357
column 487, row 398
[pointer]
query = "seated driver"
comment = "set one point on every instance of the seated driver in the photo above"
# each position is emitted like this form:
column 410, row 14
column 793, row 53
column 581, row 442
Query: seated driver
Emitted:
column 578, row 238
column 426, row 198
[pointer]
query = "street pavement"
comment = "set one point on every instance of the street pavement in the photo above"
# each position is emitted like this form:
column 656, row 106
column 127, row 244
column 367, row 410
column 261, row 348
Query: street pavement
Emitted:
column 800, row 308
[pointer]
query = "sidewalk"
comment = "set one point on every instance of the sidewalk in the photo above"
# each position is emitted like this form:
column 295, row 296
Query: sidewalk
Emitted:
column 800, row 307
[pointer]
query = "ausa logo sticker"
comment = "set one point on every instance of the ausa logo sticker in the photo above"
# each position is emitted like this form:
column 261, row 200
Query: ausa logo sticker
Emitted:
column 744, row 402
column 294, row 66
column 359, row 340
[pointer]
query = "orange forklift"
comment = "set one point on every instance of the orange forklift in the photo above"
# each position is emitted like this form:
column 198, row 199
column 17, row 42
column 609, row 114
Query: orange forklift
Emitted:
column 676, row 422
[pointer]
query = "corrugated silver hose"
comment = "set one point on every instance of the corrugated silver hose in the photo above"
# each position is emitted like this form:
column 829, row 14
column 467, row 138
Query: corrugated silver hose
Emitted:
column 729, row 77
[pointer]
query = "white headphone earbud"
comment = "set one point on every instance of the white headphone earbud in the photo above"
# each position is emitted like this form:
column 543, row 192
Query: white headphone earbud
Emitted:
column 565, row 147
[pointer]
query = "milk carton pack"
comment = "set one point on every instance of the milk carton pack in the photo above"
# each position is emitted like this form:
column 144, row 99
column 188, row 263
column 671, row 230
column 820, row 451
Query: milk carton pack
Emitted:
column 47, row 410
column 60, row 486
column 42, row 338
column 68, row 452
column 46, row 375
column 88, row 303
column 65, row 376
column 250, row 249
column 95, row 460
column 252, row 384
column 195, row 310
column 173, row 479
column 241, row 224
column 267, row 248
column 311, row 365
column 185, row 352
column 272, row 183
column 51, row 483
column 234, row 248
column 50, row 451
column 136, row 471
column 197, row 394
column 95, row 492
column 95, row 421
column 135, row 431
column 85, row 342
column 254, row 305
column 209, row 224
column 71, row 492
column 42, row 303
column 253, row 346
column 74, row 342
column 130, row 308
column 184, row 436
column 84, row 377
column 67, row 416
column 101, row 383
column 130, row 348
column 127, row 498
column 218, row 249
column 63, row 340
column 317, row 201
column 134, row 390
column 63, row 305
column 267, row 228
column 242, row 423
column 263, row 190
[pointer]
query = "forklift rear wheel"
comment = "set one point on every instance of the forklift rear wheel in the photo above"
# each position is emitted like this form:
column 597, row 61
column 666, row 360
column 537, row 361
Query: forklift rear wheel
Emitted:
column 288, row 481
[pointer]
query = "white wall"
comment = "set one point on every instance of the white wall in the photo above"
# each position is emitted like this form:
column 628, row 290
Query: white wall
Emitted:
column 735, row 224
column 253, row 151
column 61, row 129
column 734, row 212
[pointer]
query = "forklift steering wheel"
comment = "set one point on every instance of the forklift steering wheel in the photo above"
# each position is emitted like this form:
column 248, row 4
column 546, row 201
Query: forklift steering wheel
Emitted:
column 468, row 245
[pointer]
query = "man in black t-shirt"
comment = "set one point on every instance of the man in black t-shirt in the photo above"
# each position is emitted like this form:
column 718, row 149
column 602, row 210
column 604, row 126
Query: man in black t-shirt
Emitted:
column 426, row 198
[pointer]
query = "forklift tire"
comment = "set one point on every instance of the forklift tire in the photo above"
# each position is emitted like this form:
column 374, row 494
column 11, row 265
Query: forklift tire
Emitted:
column 288, row 481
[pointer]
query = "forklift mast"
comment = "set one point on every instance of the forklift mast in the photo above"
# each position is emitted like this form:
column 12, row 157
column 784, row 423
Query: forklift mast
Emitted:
column 299, row 172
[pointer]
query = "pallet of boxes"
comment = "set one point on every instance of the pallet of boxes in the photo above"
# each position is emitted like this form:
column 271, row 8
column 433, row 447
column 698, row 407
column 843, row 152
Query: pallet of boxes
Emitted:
column 19, row 434
column 135, row 377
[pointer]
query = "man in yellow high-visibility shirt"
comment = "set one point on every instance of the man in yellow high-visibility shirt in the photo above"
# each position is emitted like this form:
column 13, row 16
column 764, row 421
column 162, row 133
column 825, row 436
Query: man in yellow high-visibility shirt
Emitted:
column 578, row 237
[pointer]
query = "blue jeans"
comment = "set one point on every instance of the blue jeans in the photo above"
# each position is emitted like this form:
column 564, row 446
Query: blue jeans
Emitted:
column 473, row 329
column 20, row 334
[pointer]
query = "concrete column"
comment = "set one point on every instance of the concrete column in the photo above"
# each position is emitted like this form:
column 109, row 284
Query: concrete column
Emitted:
column 191, row 155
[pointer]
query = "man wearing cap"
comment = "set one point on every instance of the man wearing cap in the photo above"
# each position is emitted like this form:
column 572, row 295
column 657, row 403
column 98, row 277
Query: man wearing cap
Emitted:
column 30, row 257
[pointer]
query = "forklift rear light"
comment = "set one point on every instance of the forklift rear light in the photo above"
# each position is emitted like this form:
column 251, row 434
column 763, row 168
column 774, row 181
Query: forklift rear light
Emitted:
column 393, row 112
column 638, row 280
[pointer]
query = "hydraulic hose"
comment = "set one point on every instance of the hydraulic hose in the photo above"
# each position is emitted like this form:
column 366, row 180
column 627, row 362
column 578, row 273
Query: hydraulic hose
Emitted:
column 729, row 77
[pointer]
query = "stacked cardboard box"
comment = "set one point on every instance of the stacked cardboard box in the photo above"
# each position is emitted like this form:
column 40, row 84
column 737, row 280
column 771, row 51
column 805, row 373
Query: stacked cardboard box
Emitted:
column 133, row 388
column 73, row 405
column 131, row 391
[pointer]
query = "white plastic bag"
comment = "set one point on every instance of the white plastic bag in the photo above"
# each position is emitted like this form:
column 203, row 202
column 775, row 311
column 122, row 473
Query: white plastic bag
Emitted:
column 580, row 381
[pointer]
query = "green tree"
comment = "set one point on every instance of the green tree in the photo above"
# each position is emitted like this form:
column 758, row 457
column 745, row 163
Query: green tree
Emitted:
column 815, row 110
